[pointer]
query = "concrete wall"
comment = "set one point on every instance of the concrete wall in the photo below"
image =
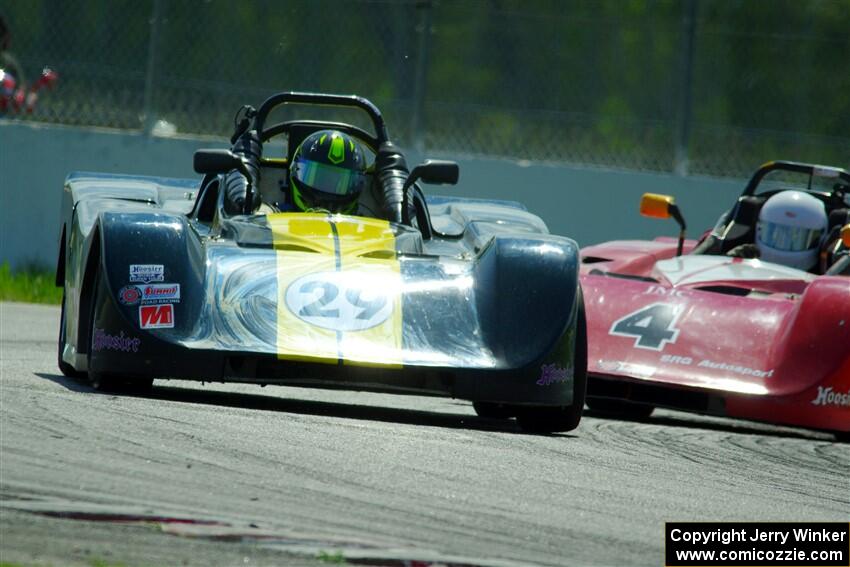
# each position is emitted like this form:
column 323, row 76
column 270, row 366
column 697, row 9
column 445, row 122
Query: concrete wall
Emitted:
column 588, row 205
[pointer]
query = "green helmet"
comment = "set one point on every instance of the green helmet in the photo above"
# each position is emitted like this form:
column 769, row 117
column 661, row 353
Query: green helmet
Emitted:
column 328, row 171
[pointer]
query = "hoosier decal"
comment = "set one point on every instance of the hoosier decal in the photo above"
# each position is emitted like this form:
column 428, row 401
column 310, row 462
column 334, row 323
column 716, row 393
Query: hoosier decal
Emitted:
column 104, row 341
column 147, row 273
column 156, row 316
column 553, row 373
column 829, row 397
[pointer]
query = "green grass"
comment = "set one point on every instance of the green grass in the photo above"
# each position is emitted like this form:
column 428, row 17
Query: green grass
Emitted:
column 328, row 557
column 29, row 284
column 104, row 563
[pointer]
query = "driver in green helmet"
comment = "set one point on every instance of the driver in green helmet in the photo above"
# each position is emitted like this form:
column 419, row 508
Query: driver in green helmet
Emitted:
column 327, row 173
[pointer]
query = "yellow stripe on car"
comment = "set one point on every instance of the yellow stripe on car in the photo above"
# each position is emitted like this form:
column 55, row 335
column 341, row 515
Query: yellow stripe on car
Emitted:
column 368, row 246
column 339, row 289
column 304, row 243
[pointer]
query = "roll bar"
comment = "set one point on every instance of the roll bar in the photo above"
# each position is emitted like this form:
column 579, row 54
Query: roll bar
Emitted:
column 811, row 169
column 320, row 99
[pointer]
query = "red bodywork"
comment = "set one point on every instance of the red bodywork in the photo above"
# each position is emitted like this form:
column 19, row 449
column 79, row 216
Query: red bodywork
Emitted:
column 741, row 338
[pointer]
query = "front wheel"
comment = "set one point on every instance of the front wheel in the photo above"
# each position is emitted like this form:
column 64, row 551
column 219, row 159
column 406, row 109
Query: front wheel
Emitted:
column 64, row 367
column 106, row 381
column 492, row 410
column 549, row 419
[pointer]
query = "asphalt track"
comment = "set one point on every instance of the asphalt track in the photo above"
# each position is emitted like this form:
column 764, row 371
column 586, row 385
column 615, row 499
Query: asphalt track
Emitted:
column 239, row 475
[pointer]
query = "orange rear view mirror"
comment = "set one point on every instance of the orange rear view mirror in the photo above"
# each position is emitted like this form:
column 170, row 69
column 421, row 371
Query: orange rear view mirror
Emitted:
column 655, row 205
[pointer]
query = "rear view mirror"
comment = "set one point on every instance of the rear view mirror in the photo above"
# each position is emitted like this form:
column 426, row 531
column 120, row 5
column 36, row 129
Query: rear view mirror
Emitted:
column 215, row 161
column 435, row 172
column 663, row 207
column 656, row 206
column 222, row 161
column 432, row 171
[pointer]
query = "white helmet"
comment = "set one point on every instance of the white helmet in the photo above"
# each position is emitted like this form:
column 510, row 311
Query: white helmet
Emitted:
column 791, row 228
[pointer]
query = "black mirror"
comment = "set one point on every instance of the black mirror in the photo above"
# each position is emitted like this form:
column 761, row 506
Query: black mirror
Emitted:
column 435, row 172
column 432, row 171
column 216, row 161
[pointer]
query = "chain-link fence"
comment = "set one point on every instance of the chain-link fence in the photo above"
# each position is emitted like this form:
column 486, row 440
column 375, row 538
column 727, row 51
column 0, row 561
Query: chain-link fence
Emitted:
column 704, row 86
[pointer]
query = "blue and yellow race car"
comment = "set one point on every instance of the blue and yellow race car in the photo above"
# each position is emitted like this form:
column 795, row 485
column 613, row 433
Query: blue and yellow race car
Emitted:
column 467, row 298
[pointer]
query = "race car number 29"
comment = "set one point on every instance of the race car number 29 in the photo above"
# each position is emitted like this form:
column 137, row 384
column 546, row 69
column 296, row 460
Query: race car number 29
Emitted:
column 653, row 325
column 339, row 301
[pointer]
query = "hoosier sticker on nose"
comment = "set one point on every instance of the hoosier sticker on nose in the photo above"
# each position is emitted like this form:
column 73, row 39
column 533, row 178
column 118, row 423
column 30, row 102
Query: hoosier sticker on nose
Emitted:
column 829, row 397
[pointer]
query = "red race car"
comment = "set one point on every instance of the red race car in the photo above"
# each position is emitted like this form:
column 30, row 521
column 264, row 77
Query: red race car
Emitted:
column 752, row 321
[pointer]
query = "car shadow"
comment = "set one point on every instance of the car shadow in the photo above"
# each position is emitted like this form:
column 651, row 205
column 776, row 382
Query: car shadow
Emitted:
column 310, row 407
column 73, row 384
column 708, row 423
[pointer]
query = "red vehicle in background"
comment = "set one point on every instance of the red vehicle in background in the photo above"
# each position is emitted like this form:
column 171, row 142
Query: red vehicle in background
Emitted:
column 681, row 324
column 15, row 95
column 15, row 98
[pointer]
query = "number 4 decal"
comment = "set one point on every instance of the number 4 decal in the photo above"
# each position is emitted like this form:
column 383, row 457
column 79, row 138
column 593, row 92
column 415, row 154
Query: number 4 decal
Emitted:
column 653, row 325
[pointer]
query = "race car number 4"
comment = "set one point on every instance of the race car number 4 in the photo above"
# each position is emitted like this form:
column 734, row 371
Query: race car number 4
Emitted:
column 653, row 326
column 340, row 301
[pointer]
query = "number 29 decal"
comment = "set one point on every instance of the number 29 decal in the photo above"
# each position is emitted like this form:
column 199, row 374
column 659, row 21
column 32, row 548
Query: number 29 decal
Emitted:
column 339, row 301
column 653, row 325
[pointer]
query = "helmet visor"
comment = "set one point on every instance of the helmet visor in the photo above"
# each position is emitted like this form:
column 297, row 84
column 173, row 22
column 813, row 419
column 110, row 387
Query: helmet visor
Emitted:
column 328, row 179
column 789, row 238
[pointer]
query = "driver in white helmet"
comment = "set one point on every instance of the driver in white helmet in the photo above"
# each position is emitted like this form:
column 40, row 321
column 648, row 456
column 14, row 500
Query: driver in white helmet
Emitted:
column 791, row 229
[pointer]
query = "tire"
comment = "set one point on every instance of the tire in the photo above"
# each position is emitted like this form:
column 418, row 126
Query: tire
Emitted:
column 842, row 436
column 105, row 381
column 492, row 410
column 64, row 367
column 549, row 419
column 620, row 408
